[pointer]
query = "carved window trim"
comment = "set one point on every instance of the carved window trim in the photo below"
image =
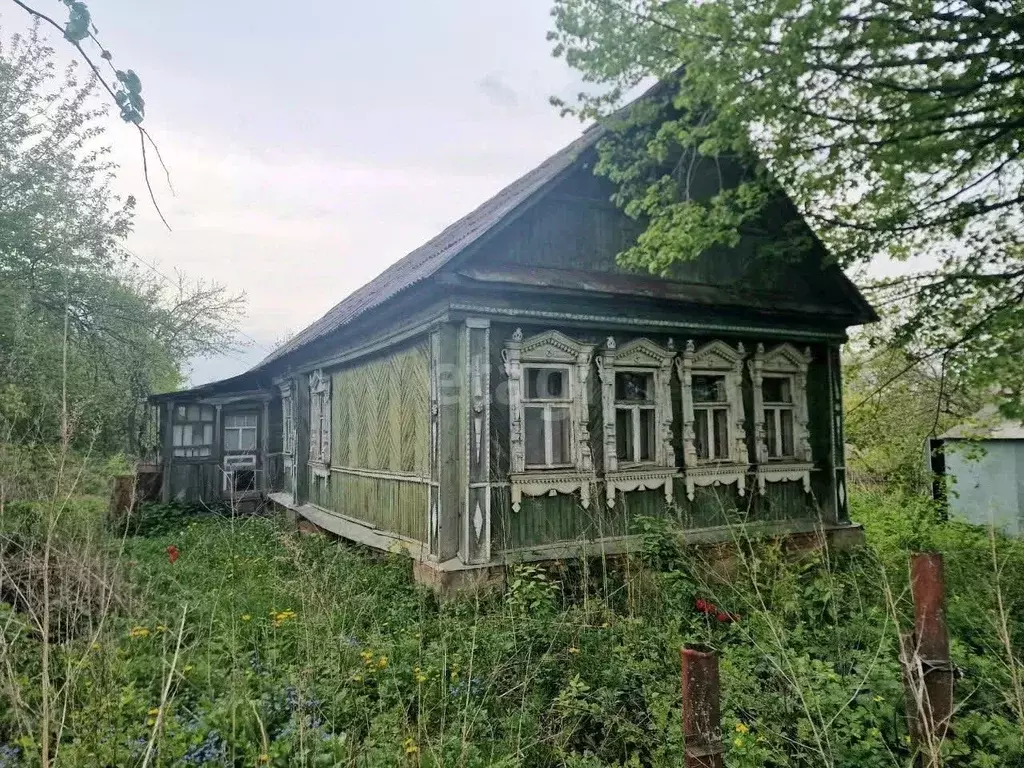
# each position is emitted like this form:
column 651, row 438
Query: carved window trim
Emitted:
column 288, row 433
column 319, row 421
column 647, row 357
column 547, row 349
column 784, row 361
column 715, row 358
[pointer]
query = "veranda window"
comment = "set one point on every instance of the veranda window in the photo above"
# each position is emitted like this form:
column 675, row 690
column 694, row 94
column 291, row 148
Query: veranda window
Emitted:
column 777, row 397
column 711, row 418
column 547, row 415
column 240, row 432
column 192, row 431
column 635, row 417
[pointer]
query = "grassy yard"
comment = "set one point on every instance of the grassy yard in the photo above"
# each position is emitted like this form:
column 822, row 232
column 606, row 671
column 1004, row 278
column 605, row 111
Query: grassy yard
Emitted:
column 212, row 641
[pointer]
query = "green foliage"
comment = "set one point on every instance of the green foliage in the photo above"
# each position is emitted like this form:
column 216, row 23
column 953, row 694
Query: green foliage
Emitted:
column 74, row 309
column 893, row 128
column 304, row 651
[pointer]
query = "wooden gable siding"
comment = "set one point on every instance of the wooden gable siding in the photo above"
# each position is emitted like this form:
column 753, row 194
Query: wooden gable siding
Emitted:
column 380, row 416
column 555, row 519
column 575, row 226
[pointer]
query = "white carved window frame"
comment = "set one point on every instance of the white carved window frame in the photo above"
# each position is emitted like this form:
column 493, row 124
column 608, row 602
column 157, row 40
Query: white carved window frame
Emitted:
column 783, row 361
column 715, row 358
column 549, row 349
column 287, row 419
column 647, row 357
column 320, row 422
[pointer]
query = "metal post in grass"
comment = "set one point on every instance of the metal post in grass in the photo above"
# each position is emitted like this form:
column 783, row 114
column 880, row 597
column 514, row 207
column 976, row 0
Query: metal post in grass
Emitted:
column 702, row 720
column 931, row 644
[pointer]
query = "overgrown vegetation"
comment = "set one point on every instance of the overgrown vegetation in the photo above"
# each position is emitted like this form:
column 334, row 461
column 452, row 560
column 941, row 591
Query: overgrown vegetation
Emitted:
column 214, row 640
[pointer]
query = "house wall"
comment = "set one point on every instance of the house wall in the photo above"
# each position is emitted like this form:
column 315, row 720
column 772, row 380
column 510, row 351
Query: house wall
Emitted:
column 380, row 416
column 548, row 520
column 986, row 482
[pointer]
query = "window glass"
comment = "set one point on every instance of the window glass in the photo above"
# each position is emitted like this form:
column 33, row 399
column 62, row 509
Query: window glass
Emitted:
column 776, row 389
column 231, row 440
column 771, row 432
column 786, row 432
column 634, row 387
column 721, row 429
column 709, row 389
column 193, row 413
column 546, row 384
column 534, row 436
column 646, row 435
column 624, row 434
column 560, row 423
column 700, row 434
column 176, row 434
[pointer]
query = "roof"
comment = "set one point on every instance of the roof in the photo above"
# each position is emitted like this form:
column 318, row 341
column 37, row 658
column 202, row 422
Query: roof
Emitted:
column 986, row 424
column 428, row 258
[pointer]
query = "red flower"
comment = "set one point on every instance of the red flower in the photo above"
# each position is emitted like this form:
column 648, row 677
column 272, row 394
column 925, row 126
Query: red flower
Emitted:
column 172, row 553
column 723, row 617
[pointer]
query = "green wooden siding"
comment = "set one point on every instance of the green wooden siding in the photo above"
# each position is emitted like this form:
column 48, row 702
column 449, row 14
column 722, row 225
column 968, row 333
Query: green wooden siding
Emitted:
column 379, row 470
column 380, row 413
column 552, row 519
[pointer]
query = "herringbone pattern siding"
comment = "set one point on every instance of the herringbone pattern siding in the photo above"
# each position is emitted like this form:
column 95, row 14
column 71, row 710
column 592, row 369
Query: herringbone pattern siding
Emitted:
column 381, row 413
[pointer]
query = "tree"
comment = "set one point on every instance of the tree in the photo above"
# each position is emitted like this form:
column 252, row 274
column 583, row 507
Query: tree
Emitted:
column 67, row 283
column 894, row 126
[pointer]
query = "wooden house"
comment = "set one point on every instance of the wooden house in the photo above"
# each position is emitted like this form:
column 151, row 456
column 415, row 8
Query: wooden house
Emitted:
column 508, row 392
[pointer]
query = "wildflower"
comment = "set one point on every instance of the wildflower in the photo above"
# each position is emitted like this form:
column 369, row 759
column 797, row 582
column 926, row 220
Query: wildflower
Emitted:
column 878, row 699
column 357, row 678
column 138, row 632
column 382, row 662
column 738, row 742
column 742, row 728
column 160, row 628
column 154, row 711
column 264, row 758
column 96, row 646
column 367, row 657
column 410, row 746
column 173, row 553
column 574, row 650
column 246, row 617
column 187, row 668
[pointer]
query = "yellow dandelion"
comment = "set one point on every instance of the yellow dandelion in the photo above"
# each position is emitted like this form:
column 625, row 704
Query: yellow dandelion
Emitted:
column 154, row 711
column 878, row 699
column 382, row 662
column 138, row 632
column 410, row 747
column 246, row 617
column 742, row 728
column 161, row 628
column 737, row 742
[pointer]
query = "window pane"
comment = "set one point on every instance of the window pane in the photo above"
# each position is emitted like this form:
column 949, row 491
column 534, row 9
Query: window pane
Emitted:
column 634, row 387
column 179, row 411
column 770, row 432
column 186, row 435
column 247, row 439
column 647, row 434
column 786, row 424
column 560, row 425
column 700, row 433
column 193, row 413
column 721, row 427
column 230, row 439
column 204, row 451
column 176, row 436
column 207, row 413
column 534, row 435
column 708, row 389
column 545, row 384
column 624, row 434
column 207, row 434
column 776, row 389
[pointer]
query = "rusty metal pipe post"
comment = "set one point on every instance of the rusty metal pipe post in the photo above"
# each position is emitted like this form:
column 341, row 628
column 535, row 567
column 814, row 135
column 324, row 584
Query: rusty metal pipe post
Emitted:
column 931, row 639
column 702, row 719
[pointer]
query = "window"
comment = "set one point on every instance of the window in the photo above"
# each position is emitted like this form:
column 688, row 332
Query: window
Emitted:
column 547, row 416
column 287, row 426
column 319, row 418
column 192, row 431
column 777, row 397
column 635, row 417
column 714, row 436
column 240, row 432
column 549, row 438
column 779, row 378
column 711, row 418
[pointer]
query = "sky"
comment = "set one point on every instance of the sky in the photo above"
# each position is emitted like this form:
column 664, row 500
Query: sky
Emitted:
column 312, row 144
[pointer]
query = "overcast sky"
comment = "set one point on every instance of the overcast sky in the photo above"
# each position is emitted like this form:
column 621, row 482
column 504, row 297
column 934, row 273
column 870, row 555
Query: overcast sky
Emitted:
column 313, row 144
